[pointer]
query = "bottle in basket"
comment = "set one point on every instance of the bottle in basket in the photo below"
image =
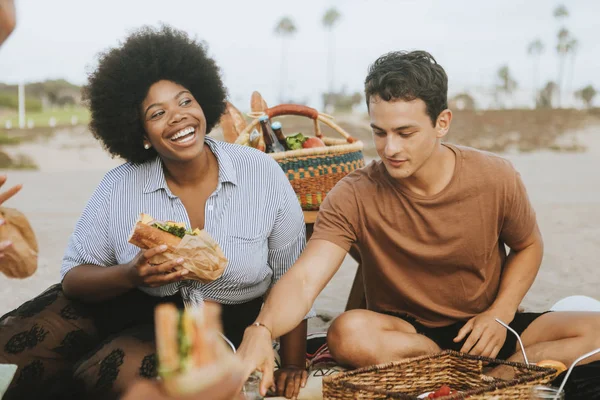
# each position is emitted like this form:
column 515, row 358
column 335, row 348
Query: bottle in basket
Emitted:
column 272, row 145
column 276, row 126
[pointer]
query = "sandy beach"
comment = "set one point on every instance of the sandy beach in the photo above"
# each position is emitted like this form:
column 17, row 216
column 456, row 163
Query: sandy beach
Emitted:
column 564, row 188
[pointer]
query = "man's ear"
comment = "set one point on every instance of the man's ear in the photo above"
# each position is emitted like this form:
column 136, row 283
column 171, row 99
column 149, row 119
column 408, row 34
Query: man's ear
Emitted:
column 443, row 123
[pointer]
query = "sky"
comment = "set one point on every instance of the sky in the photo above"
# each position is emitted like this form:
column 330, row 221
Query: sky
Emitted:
column 471, row 39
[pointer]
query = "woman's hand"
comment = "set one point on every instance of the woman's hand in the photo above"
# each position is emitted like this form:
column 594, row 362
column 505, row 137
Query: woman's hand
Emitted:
column 142, row 273
column 289, row 380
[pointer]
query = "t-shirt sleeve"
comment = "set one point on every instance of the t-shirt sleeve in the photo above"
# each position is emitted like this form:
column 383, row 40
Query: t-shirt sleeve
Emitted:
column 337, row 221
column 519, row 215
column 90, row 242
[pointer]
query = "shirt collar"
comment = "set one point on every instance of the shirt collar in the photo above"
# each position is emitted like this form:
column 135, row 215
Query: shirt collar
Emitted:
column 156, row 177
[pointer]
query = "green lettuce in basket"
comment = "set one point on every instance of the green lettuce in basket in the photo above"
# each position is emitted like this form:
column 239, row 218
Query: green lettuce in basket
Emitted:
column 294, row 142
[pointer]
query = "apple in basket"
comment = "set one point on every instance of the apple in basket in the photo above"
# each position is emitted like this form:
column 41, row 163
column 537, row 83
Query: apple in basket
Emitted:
column 312, row 142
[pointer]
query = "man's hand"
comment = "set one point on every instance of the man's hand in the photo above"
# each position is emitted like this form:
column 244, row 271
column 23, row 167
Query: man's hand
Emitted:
column 256, row 353
column 289, row 380
column 485, row 336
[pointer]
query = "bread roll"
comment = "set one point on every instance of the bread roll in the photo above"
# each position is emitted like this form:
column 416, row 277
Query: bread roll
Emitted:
column 232, row 123
column 557, row 365
column 257, row 103
column 20, row 259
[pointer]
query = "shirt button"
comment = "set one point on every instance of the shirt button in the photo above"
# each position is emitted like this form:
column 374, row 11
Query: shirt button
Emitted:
column 210, row 208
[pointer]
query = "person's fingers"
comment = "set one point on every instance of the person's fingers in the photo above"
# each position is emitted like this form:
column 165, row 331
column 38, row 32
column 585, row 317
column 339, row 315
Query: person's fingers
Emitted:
column 159, row 280
column 169, row 266
column 304, row 378
column 9, row 193
column 464, row 331
column 495, row 351
column 472, row 339
column 5, row 244
column 485, row 339
column 289, row 386
column 148, row 254
column 297, row 385
column 280, row 382
column 267, row 378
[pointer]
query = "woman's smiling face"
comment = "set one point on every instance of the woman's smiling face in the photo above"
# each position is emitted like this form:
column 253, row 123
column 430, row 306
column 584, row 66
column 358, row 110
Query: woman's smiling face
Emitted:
column 174, row 122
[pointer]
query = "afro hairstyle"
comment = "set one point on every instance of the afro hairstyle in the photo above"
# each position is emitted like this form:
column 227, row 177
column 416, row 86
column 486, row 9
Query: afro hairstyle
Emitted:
column 120, row 83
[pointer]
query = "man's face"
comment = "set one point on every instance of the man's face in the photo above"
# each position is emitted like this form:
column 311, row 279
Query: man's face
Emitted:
column 403, row 134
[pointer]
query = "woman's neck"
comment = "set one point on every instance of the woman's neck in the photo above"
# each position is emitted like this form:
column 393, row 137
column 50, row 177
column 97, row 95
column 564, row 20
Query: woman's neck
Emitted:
column 193, row 172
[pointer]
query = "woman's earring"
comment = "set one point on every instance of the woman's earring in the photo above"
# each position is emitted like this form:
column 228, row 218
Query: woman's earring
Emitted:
column 147, row 146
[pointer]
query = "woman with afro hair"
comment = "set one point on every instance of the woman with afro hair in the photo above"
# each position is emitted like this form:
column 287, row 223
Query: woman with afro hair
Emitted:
column 153, row 101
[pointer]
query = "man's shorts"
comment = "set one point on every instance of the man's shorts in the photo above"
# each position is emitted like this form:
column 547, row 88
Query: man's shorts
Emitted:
column 444, row 336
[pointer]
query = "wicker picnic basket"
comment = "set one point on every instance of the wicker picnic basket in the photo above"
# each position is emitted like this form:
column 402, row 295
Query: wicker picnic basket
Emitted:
column 410, row 378
column 314, row 172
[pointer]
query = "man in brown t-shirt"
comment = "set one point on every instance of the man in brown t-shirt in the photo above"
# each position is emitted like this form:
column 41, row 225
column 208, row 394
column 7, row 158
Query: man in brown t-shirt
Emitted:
column 432, row 222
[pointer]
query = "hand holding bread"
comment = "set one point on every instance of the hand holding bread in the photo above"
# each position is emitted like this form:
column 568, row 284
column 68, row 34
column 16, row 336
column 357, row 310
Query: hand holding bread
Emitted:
column 18, row 245
column 196, row 251
column 142, row 272
column 192, row 355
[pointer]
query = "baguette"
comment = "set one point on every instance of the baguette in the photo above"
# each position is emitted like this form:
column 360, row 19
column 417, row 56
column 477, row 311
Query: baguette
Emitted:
column 166, row 320
column 232, row 123
column 189, row 348
column 20, row 260
column 202, row 256
column 257, row 103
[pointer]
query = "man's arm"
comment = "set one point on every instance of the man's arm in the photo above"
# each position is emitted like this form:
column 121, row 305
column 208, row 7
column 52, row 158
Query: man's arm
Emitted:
column 486, row 336
column 292, row 297
column 518, row 275
column 287, row 304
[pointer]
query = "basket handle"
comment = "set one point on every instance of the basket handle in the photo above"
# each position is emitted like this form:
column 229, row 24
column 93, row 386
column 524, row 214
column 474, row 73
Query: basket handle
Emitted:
column 292, row 109
column 305, row 111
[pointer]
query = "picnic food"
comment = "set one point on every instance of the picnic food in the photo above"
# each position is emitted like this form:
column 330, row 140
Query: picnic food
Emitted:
column 557, row 365
column 20, row 259
column 188, row 347
column 312, row 142
column 257, row 103
column 444, row 390
column 294, row 142
column 202, row 256
column 232, row 123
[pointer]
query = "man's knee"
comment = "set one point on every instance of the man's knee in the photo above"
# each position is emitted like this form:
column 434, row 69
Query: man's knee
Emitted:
column 345, row 333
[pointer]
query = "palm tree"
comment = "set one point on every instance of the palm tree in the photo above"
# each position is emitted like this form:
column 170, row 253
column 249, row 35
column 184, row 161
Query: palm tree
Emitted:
column 572, row 47
column 330, row 19
column 507, row 83
column 562, row 48
column 285, row 28
column 587, row 95
column 560, row 13
column 535, row 50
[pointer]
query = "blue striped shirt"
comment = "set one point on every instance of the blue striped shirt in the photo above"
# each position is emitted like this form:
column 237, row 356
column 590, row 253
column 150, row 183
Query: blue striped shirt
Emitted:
column 253, row 214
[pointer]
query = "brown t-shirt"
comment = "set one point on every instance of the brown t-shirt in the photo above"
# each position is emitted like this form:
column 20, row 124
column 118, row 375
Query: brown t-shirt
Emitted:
column 436, row 258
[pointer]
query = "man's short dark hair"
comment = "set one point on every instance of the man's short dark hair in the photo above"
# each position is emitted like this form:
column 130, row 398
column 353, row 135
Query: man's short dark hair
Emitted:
column 402, row 75
column 117, row 88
